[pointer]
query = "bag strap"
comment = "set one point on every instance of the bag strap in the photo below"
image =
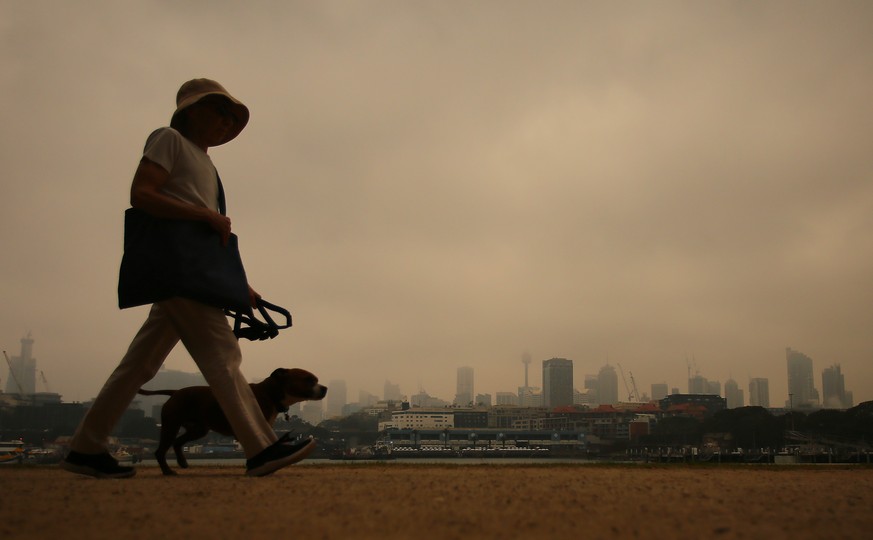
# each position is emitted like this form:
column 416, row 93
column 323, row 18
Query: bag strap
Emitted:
column 222, row 203
column 254, row 328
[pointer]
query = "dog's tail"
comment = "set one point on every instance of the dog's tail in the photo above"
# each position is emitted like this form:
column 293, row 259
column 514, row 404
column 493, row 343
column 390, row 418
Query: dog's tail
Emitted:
column 156, row 392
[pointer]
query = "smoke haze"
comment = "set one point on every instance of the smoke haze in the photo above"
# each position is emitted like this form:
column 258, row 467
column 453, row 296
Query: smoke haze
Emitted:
column 429, row 185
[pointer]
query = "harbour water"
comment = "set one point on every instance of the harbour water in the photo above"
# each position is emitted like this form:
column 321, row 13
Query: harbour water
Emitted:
column 238, row 462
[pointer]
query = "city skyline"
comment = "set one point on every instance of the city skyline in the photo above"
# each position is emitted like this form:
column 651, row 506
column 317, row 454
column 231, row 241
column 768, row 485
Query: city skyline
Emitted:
column 755, row 391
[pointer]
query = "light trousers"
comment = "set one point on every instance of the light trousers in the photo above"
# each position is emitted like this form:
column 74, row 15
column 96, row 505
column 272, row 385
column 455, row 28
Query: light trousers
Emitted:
column 206, row 334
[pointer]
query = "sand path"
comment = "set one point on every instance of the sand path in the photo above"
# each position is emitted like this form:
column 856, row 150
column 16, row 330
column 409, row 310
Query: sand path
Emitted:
column 389, row 501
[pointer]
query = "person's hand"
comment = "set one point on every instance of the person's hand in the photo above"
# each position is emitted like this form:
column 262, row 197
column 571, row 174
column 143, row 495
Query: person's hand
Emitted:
column 220, row 224
column 254, row 297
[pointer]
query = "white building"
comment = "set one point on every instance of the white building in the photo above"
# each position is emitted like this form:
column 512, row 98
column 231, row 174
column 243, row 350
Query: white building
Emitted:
column 420, row 419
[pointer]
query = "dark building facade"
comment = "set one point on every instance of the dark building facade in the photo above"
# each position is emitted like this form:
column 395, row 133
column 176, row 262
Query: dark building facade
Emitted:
column 801, row 388
column 833, row 388
column 471, row 419
column 709, row 402
column 557, row 382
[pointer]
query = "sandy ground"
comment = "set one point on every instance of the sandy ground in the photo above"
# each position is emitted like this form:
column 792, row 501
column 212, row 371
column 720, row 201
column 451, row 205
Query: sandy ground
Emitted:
column 387, row 501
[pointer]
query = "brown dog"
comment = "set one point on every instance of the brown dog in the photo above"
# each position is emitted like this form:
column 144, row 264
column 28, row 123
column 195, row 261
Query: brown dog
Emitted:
column 196, row 409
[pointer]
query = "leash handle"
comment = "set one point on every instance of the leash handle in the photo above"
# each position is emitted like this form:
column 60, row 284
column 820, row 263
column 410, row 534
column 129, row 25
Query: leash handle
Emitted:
column 255, row 329
column 264, row 306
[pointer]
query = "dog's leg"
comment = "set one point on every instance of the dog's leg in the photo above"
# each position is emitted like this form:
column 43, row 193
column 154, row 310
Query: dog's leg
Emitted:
column 192, row 433
column 169, row 428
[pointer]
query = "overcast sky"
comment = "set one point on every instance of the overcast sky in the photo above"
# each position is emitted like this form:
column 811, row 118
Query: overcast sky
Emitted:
column 429, row 185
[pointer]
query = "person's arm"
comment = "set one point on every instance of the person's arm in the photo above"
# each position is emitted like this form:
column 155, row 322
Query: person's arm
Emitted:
column 146, row 194
column 253, row 297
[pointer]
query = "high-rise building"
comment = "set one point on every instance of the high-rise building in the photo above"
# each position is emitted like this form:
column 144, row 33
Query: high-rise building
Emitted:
column 464, row 393
column 713, row 388
column 659, row 391
column 312, row 412
column 698, row 385
column 833, row 388
column 336, row 398
column 801, row 389
column 392, row 392
column 557, row 382
column 733, row 394
column 22, row 370
column 759, row 392
column 591, row 387
column 607, row 386
column 366, row 399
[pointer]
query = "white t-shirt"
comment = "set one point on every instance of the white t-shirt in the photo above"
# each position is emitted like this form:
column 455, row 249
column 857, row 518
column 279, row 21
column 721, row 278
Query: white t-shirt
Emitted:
column 193, row 178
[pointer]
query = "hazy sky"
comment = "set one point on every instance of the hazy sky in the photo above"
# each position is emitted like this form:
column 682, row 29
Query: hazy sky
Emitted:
column 428, row 185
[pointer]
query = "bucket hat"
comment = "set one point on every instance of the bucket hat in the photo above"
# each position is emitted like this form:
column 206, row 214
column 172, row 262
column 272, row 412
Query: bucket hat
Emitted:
column 196, row 89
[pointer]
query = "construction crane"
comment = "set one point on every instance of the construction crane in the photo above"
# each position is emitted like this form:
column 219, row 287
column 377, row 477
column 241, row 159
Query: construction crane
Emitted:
column 12, row 374
column 634, row 386
column 692, row 364
column 47, row 389
column 626, row 387
column 630, row 393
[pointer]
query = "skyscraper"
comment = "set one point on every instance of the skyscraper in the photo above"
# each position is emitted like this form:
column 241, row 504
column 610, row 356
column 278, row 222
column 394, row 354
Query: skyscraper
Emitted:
column 312, row 412
column 698, row 385
column 391, row 392
column 801, row 390
column 759, row 392
column 592, row 387
column 464, row 393
column 336, row 398
column 366, row 399
column 713, row 388
column 607, row 386
column 833, row 388
column 557, row 382
column 733, row 395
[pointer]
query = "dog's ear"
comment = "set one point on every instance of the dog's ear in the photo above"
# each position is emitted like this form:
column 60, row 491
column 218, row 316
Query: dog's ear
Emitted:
column 278, row 372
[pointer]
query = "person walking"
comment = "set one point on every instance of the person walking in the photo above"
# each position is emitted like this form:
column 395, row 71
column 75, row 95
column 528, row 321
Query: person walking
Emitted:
column 175, row 179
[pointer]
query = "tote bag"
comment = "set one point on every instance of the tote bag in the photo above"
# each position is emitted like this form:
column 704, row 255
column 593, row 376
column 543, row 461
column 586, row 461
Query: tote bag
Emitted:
column 164, row 258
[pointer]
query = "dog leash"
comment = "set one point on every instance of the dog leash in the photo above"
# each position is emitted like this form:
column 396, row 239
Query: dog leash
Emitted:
column 256, row 329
